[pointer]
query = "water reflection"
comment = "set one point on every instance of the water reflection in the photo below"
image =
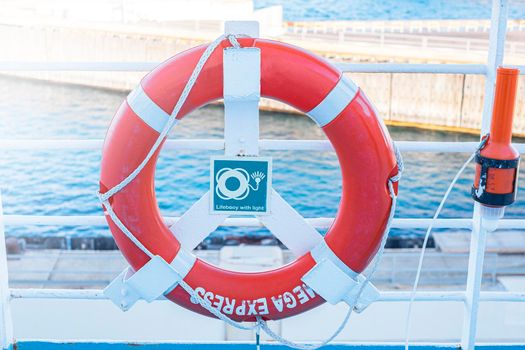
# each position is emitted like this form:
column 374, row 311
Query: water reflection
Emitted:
column 65, row 182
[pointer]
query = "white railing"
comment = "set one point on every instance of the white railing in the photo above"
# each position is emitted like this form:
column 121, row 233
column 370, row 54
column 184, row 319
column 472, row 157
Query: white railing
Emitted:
column 318, row 223
column 398, row 267
column 416, row 34
column 470, row 297
column 458, row 45
column 405, row 26
column 27, row 293
column 265, row 145
column 478, row 69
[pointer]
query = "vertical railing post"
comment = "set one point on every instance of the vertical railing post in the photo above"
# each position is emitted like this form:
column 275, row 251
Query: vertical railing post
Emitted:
column 242, row 90
column 6, row 325
column 498, row 30
column 479, row 233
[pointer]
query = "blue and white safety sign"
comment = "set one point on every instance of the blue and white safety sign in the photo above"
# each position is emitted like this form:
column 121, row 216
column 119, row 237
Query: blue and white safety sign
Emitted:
column 240, row 185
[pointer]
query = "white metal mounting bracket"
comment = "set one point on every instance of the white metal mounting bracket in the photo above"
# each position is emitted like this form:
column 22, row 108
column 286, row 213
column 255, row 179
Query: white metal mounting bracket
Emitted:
column 336, row 282
column 151, row 282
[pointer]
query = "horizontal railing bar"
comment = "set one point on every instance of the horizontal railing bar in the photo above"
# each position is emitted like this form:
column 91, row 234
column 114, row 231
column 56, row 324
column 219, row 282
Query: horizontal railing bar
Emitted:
column 34, row 293
column 451, row 296
column 58, row 283
column 147, row 66
column 96, row 144
column 345, row 67
column 319, row 223
column 502, row 296
column 412, row 68
column 264, row 144
column 428, row 270
column 77, row 272
column 390, row 253
column 386, row 296
column 79, row 66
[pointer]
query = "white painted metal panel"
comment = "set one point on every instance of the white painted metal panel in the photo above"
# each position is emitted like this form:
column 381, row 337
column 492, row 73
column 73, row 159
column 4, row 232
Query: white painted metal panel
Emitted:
column 164, row 321
column 514, row 312
column 384, row 322
column 100, row 319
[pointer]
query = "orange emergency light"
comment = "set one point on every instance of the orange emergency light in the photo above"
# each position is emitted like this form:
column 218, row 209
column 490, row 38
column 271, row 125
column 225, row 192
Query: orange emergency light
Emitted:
column 497, row 160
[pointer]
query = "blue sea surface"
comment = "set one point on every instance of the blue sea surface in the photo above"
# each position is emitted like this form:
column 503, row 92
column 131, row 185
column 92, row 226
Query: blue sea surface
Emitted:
column 362, row 10
column 65, row 182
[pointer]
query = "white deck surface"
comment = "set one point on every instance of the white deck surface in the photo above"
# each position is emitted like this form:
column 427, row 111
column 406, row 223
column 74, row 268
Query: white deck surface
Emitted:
column 95, row 269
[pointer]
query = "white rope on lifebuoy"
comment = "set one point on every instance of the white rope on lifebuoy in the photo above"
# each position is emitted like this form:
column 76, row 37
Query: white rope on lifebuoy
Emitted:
column 206, row 304
column 172, row 118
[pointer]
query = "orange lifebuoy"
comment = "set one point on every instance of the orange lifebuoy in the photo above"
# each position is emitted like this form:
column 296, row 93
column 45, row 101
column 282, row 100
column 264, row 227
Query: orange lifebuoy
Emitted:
column 300, row 79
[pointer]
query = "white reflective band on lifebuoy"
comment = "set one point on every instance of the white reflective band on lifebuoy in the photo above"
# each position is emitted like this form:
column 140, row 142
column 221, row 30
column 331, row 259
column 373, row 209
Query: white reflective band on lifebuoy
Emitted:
column 334, row 103
column 147, row 110
column 335, row 282
column 151, row 282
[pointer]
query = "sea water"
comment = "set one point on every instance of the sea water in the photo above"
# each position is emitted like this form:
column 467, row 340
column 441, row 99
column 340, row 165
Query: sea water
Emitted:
column 362, row 10
column 65, row 182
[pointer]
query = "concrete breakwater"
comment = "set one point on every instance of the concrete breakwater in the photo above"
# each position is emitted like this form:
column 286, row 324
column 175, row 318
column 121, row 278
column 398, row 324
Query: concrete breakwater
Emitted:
column 450, row 102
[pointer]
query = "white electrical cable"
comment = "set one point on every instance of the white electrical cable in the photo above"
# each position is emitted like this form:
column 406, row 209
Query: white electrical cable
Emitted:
column 423, row 248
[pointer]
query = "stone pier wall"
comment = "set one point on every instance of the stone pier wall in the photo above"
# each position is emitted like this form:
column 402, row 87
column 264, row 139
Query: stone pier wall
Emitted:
column 441, row 101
